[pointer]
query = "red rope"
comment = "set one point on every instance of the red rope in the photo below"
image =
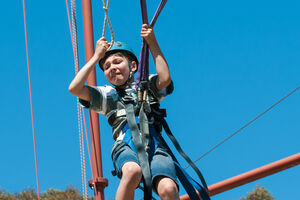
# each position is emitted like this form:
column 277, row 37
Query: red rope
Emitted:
column 31, row 104
column 87, row 138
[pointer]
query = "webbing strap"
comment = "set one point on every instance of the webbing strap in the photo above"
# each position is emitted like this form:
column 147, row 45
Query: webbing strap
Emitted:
column 184, row 176
column 144, row 128
column 188, row 183
column 179, row 149
column 141, row 153
column 143, row 69
column 177, row 146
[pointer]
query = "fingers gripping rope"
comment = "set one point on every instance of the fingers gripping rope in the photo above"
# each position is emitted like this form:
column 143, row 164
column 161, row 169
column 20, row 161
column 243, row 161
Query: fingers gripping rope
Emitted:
column 106, row 20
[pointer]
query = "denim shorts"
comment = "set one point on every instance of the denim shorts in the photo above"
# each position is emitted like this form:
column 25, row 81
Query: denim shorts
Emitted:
column 161, row 163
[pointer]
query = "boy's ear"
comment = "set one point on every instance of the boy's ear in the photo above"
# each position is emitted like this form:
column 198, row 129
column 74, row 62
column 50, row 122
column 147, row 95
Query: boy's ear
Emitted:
column 133, row 66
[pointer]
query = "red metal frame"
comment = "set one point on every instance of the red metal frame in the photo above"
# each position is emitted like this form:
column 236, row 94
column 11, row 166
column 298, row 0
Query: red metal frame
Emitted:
column 252, row 175
column 98, row 182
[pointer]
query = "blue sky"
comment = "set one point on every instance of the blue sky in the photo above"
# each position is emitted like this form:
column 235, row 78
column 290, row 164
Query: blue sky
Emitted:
column 229, row 61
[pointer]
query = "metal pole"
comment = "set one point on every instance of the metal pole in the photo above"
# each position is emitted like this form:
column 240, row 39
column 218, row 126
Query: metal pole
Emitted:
column 253, row 175
column 97, row 182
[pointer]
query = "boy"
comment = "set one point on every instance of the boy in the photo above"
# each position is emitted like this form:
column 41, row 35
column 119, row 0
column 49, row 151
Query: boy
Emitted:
column 119, row 64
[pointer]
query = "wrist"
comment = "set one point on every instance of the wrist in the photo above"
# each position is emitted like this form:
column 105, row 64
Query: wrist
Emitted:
column 153, row 44
column 96, row 57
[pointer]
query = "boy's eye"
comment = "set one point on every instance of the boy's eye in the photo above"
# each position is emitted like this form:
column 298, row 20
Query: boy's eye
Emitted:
column 117, row 61
column 106, row 66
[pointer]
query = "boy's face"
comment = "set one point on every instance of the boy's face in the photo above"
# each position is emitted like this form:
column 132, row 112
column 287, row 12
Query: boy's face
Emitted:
column 116, row 69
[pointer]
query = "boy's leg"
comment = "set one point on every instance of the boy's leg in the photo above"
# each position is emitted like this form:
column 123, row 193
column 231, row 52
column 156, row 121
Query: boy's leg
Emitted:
column 131, row 177
column 166, row 188
column 164, row 175
column 127, row 168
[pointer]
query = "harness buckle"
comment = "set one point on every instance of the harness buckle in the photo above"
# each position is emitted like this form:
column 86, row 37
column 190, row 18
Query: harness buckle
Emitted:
column 127, row 99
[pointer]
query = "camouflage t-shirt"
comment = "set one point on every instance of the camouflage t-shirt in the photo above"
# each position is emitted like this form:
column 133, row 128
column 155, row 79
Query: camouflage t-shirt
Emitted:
column 107, row 101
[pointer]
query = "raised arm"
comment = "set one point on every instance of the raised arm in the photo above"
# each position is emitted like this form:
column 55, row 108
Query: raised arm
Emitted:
column 161, row 65
column 77, row 86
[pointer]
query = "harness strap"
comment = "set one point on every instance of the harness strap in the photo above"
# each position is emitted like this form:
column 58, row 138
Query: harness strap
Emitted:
column 177, row 146
column 187, row 181
column 187, row 185
column 190, row 184
column 144, row 128
column 141, row 153
column 181, row 174
column 115, row 115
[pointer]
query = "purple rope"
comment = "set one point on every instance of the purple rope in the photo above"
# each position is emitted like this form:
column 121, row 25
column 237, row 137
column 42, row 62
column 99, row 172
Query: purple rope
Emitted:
column 143, row 68
column 158, row 11
column 144, row 11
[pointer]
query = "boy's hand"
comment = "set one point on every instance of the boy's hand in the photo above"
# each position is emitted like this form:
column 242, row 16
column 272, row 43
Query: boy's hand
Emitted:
column 148, row 34
column 101, row 47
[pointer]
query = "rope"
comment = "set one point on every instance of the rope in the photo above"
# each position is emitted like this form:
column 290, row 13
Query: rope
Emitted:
column 86, row 137
column 31, row 104
column 247, row 124
column 82, row 153
column 143, row 68
column 85, row 126
column 106, row 20
column 80, row 111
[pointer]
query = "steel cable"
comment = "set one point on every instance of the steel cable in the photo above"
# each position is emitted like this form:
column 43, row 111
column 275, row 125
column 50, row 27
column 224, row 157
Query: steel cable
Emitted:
column 247, row 124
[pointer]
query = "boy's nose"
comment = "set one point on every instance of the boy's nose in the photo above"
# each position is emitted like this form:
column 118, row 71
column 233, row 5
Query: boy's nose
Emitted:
column 113, row 69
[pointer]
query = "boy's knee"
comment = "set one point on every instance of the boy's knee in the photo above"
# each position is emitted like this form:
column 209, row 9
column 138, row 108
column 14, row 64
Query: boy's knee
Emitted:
column 132, row 171
column 167, row 189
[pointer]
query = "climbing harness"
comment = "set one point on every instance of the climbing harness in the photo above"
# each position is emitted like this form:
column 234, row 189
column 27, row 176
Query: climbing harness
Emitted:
column 106, row 20
column 144, row 142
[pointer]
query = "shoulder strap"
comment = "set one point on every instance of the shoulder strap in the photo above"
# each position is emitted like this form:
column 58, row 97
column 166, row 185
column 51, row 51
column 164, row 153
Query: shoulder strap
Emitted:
column 186, row 180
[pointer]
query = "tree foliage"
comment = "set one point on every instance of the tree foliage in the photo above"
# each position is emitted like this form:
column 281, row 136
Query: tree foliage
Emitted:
column 259, row 193
column 71, row 193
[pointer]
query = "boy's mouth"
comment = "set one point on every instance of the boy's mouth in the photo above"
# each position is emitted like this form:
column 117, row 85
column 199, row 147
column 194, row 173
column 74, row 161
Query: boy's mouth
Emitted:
column 117, row 76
